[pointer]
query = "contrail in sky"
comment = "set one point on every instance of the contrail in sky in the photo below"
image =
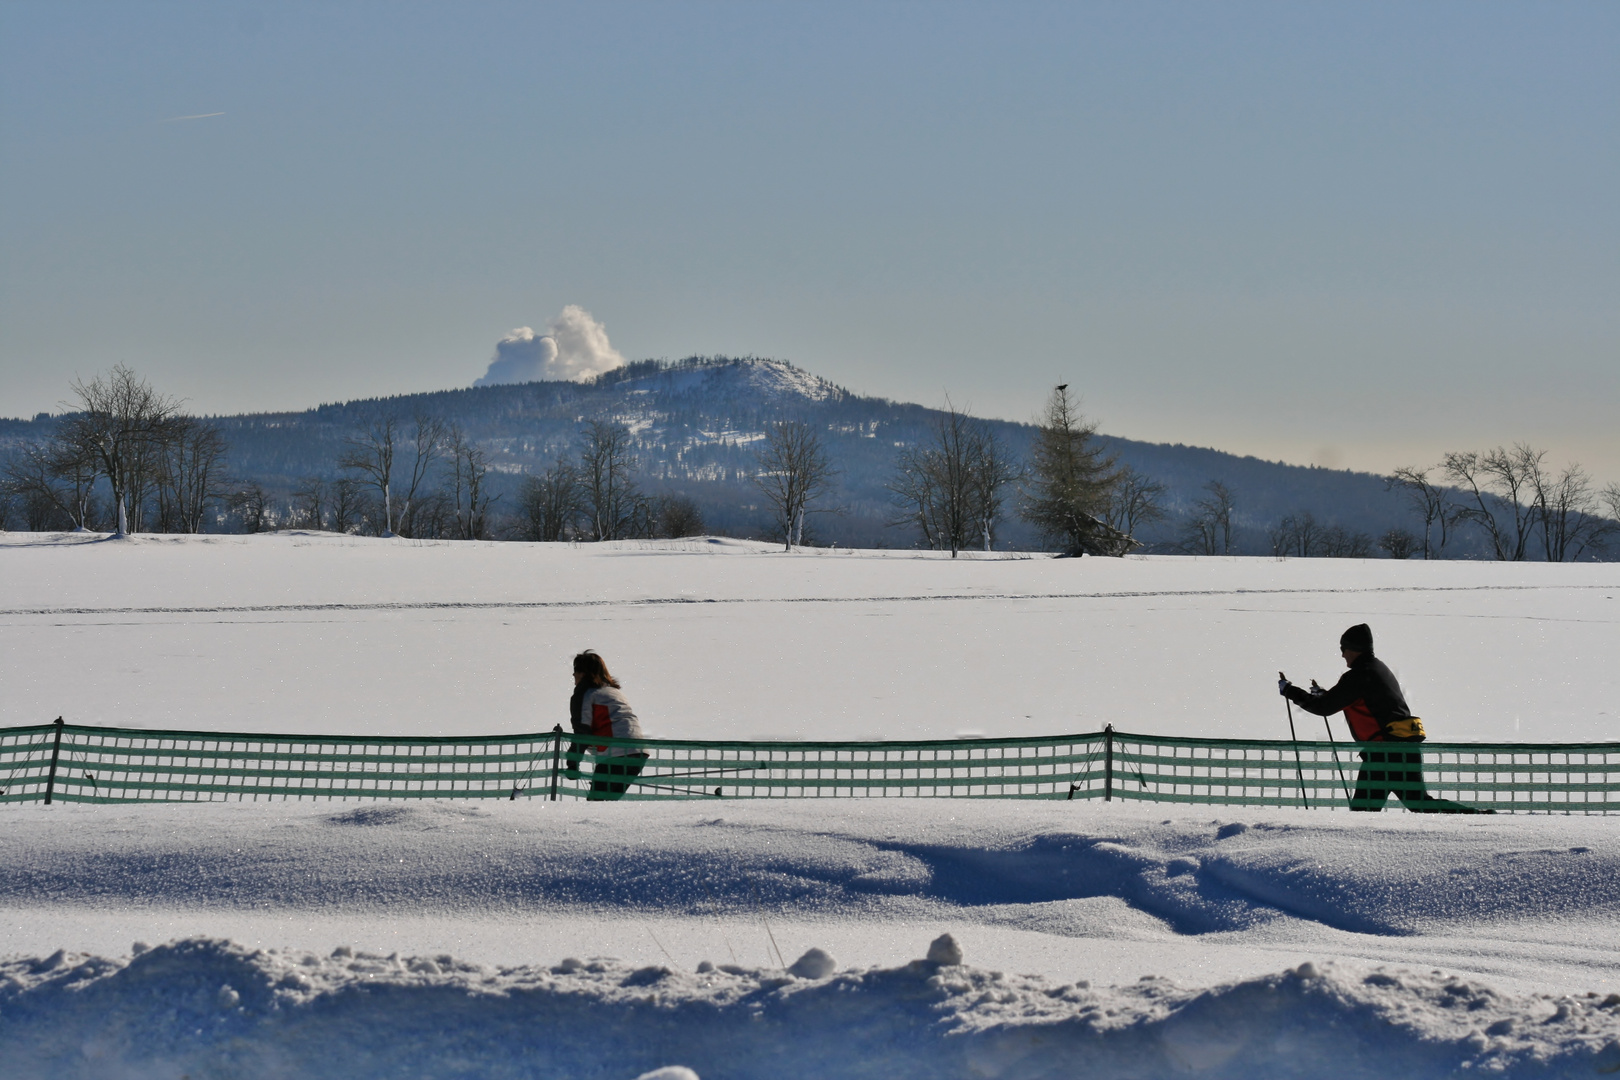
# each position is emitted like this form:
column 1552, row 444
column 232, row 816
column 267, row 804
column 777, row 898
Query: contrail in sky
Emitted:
column 199, row 116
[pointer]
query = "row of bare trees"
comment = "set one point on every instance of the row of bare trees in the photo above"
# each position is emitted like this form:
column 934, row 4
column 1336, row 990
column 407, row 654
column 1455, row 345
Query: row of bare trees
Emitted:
column 595, row 496
column 1300, row 535
column 397, row 464
column 1514, row 500
column 124, row 455
column 953, row 486
column 423, row 479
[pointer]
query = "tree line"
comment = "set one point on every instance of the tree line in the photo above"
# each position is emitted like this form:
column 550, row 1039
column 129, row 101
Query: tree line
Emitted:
column 1512, row 498
column 124, row 458
column 954, row 488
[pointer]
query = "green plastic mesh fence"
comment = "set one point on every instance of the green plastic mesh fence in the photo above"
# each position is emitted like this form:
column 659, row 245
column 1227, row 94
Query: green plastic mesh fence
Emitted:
column 75, row 763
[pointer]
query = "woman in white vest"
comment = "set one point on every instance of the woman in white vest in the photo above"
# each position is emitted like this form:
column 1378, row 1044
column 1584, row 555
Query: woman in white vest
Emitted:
column 598, row 707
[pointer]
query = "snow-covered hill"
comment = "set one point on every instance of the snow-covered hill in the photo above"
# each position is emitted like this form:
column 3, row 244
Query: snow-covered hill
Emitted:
column 733, row 381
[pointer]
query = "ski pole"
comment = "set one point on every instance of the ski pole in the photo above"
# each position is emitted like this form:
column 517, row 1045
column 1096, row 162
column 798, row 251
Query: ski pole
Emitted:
column 1299, row 766
column 706, row 772
column 715, row 794
column 1337, row 767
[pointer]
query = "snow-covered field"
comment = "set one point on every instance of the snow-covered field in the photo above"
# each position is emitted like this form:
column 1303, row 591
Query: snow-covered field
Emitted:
column 728, row 639
column 589, row 940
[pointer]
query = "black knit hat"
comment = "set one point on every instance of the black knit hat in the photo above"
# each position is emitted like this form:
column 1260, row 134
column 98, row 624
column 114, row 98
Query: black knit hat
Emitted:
column 1357, row 639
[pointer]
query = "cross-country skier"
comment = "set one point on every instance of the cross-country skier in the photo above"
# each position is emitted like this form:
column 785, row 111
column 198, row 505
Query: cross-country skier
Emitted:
column 598, row 707
column 1376, row 711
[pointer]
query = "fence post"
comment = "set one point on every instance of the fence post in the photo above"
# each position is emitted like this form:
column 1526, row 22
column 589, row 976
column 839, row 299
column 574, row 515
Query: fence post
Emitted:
column 556, row 759
column 1108, row 763
column 56, row 752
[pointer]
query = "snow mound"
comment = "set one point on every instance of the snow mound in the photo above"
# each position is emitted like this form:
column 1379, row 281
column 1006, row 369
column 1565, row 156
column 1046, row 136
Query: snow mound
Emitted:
column 208, row 1007
column 814, row 964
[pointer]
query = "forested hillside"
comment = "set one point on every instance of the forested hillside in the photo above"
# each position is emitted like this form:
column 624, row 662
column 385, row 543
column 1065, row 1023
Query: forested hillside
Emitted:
column 696, row 426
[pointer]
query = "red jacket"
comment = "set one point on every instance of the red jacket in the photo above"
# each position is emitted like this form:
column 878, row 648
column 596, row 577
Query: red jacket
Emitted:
column 604, row 711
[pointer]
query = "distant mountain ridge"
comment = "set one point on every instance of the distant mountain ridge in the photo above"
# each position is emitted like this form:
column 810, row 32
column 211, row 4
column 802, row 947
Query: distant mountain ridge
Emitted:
column 697, row 422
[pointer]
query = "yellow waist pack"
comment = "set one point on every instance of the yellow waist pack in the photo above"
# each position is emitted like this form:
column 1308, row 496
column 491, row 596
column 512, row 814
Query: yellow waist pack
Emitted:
column 1406, row 729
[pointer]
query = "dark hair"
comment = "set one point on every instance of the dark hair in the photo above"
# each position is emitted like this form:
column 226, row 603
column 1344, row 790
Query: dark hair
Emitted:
column 591, row 665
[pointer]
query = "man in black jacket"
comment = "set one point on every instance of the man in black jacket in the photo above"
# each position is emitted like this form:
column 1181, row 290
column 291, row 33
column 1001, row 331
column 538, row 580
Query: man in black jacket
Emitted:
column 1376, row 711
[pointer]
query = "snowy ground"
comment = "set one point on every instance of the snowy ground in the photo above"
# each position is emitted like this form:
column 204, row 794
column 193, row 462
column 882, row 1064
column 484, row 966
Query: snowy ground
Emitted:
column 566, row 940
column 538, row 939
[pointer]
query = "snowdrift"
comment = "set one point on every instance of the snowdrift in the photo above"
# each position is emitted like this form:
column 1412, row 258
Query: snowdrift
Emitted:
column 205, row 1007
column 1207, row 907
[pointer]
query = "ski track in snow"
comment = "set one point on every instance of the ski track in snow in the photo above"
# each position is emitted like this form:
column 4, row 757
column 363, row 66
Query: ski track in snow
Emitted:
column 523, row 605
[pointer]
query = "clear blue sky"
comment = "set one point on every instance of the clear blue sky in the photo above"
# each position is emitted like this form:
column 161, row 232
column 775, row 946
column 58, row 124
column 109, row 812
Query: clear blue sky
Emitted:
column 1353, row 234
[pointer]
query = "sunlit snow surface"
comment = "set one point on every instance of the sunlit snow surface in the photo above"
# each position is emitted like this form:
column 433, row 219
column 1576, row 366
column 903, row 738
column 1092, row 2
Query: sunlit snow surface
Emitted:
column 729, row 639
column 392, row 940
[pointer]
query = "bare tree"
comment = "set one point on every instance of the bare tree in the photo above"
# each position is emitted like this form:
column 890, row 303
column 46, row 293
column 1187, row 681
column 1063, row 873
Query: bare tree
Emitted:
column 1432, row 503
column 1339, row 542
column 951, row 486
column 550, row 503
column 309, row 504
column 678, row 516
column 607, row 480
column 380, row 450
column 991, row 472
column 1569, row 513
column 252, row 504
column 190, row 474
column 120, row 420
column 345, row 501
column 1500, row 485
column 425, row 445
column 1610, row 530
column 1070, row 480
column 795, row 474
column 51, row 479
column 1400, row 543
column 949, row 461
column 644, row 518
column 1134, row 502
column 915, row 494
column 433, row 516
column 1209, row 530
column 1295, row 535
column 465, row 485
column 369, row 454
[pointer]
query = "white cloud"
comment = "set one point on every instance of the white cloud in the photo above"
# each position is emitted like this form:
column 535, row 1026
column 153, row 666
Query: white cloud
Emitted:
column 576, row 348
column 520, row 356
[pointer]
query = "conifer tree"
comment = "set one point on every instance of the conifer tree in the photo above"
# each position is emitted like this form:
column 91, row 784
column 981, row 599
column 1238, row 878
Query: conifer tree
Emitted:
column 1071, row 477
